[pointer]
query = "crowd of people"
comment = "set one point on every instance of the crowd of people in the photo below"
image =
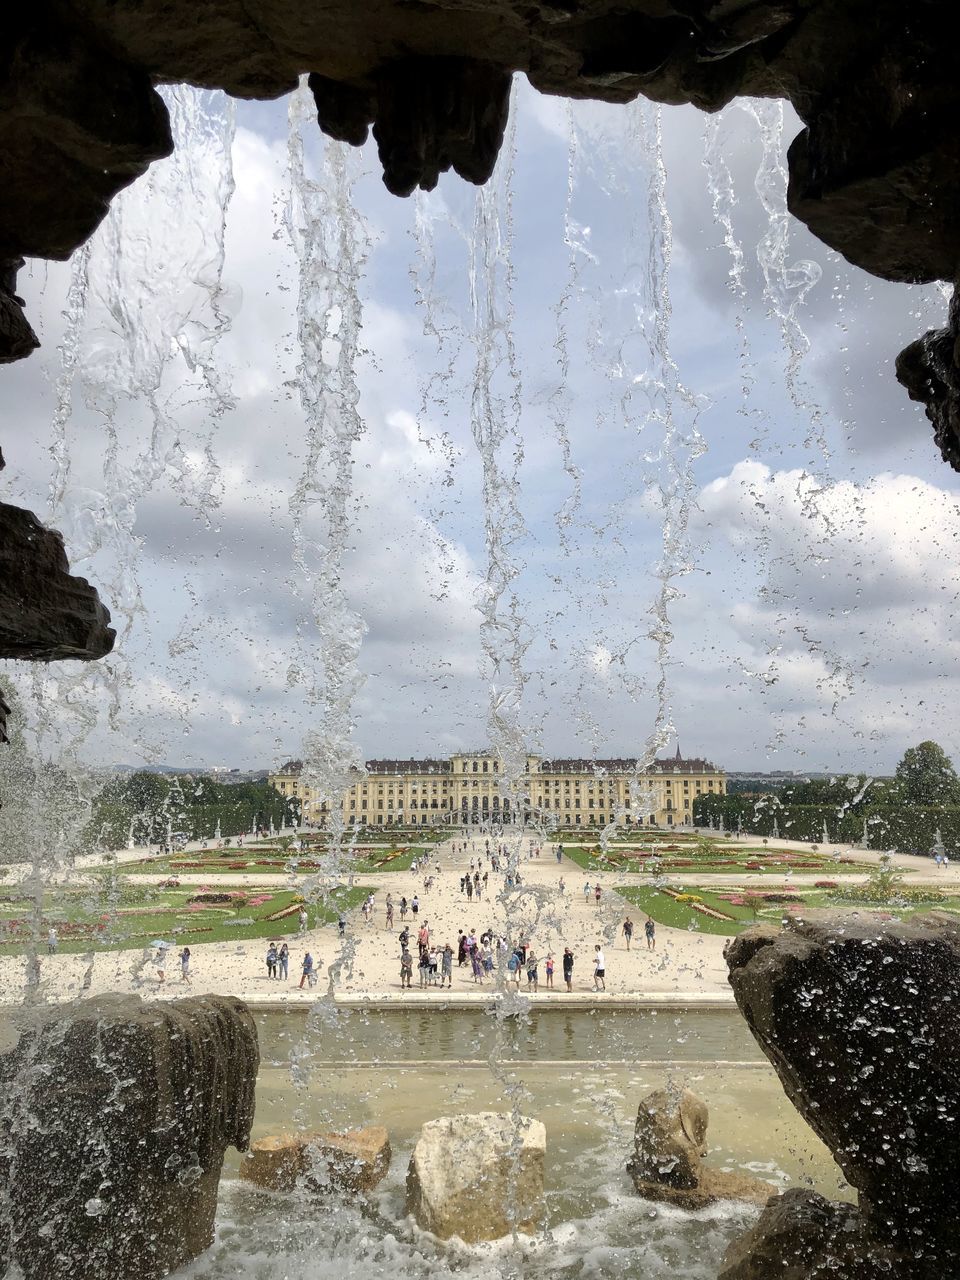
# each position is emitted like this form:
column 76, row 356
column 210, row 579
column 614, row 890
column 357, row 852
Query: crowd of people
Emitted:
column 485, row 956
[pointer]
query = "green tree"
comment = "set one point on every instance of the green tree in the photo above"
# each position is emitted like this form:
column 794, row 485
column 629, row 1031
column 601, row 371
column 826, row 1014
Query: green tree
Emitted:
column 926, row 775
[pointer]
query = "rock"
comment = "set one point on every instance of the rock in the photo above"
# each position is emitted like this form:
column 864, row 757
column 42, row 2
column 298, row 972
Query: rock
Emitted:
column 669, row 1138
column 669, row 1146
column 860, row 1018
column 930, row 370
column 114, row 1121
column 434, row 114
column 478, row 1177
column 45, row 613
column 801, row 1235
column 274, row 1162
column 355, row 1160
column 352, row 1161
column 17, row 338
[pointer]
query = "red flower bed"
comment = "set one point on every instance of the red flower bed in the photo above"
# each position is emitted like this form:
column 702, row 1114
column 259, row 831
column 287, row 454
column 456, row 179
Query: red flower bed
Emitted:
column 824, row 884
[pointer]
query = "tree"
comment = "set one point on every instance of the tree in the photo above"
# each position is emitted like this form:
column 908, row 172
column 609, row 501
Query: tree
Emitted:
column 926, row 775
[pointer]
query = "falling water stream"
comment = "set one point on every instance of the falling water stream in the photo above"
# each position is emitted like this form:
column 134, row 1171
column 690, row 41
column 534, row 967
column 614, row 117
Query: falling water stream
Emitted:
column 594, row 398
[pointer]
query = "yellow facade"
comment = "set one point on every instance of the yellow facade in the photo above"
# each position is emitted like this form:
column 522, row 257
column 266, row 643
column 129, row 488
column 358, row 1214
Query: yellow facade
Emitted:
column 469, row 788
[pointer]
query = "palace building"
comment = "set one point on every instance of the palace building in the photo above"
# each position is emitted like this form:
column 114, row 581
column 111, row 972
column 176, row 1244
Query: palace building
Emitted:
column 470, row 788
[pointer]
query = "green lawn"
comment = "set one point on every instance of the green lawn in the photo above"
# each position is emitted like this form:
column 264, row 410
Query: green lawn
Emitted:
column 667, row 911
column 86, row 922
column 722, row 860
column 678, row 915
column 266, row 860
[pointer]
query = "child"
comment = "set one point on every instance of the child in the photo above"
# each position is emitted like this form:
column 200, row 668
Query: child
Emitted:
column 549, row 969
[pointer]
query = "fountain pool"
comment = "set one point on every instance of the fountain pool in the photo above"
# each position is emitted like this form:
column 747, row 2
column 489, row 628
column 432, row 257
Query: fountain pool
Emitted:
column 582, row 1073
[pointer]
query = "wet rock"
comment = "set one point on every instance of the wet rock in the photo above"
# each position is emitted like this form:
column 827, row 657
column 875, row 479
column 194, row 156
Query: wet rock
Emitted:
column 274, row 1162
column 434, row 114
column 355, row 1160
column 802, row 1236
column 45, row 613
column 114, row 1120
column 930, row 370
column 860, row 1019
column 667, row 1162
column 352, row 1161
column 17, row 338
column 478, row 1176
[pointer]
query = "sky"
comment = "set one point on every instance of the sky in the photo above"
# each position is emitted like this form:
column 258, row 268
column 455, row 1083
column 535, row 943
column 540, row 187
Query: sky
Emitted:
column 715, row 517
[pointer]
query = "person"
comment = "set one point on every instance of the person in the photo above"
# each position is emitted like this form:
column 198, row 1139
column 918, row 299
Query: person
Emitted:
column 403, row 909
column 368, row 908
column 548, row 966
column 160, row 960
column 433, row 962
column 650, row 930
column 559, row 853
column 532, row 972
column 486, row 956
column 302, row 917
column 185, row 965
column 342, row 924
column 513, row 968
column 568, row 968
column 406, row 966
column 272, row 960
column 415, row 906
column 628, row 931
column 476, row 964
column 586, row 892
column 307, row 974
column 446, row 965
column 424, row 967
column 404, row 937
column 423, row 936
column 283, row 962
column 461, row 949
column 389, row 923
column 596, row 893
column 52, row 941
column 469, row 889
column 599, row 969
column 561, row 884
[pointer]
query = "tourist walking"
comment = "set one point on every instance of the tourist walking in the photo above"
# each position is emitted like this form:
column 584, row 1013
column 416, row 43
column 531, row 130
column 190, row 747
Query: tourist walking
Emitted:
column 650, row 930
column 342, row 924
column 415, row 906
column 307, row 974
column 599, row 969
column 185, row 965
column 283, row 962
column 302, row 920
column 596, row 893
column 568, row 968
column 586, row 892
column 403, row 909
column 446, row 965
column 628, row 931
column 389, row 924
column 461, row 950
column 52, row 941
column 406, row 967
column 476, row 964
